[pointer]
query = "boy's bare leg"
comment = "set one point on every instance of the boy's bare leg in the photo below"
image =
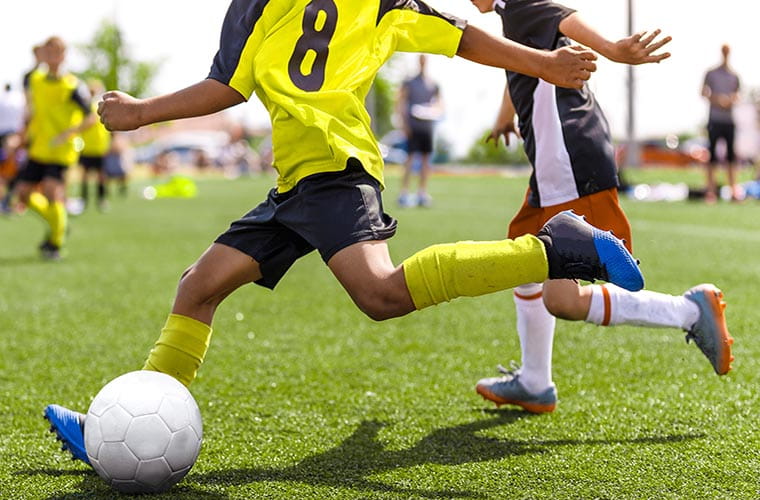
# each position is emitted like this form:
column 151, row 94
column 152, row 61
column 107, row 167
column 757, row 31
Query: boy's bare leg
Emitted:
column 218, row 272
column 376, row 286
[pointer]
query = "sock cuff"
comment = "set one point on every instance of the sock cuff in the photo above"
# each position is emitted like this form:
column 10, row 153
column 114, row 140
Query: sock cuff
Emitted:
column 186, row 334
column 187, row 324
column 529, row 292
column 600, row 311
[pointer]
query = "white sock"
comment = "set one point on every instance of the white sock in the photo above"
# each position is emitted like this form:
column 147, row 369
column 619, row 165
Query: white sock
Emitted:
column 535, row 326
column 612, row 305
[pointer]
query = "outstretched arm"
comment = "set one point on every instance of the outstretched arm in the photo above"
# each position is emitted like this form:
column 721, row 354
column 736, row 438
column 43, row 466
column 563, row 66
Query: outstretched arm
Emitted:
column 565, row 67
column 635, row 49
column 120, row 111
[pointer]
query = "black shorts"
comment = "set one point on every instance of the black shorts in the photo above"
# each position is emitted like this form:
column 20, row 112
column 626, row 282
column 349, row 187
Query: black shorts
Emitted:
column 35, row 171
column 327, row 212
column 725, row 131
column 91, row 162
column 420, row 142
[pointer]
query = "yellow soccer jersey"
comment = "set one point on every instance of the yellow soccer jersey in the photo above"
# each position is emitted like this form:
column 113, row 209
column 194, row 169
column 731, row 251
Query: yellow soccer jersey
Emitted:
column 312, row 62
column 97, row 138
column 57, row 105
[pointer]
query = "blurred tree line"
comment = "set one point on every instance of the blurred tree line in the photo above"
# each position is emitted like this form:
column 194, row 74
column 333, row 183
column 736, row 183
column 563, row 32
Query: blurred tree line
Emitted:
column 110, row 61
column 482, row 153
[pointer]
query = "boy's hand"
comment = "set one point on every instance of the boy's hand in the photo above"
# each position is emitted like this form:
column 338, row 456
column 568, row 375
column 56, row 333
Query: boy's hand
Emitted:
column 502, row 130
column 568, row 66
column 120, row 111
column 639, row 48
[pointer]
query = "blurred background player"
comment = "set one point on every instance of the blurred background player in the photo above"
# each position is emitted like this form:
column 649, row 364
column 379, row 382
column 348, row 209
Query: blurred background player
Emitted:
column 12, row 106
column 97, row 145
column 59, row 107
column 721, row 89
column 116, row 164
column 419, row 106
column 568, row 142
column 330, row 172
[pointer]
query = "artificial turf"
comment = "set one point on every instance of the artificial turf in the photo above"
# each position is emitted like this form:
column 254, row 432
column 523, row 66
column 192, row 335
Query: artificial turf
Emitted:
column 303, row 397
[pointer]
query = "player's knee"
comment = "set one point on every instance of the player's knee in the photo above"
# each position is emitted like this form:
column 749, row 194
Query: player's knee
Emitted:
column 564, row 306
column 382, row 304
column 194, row 289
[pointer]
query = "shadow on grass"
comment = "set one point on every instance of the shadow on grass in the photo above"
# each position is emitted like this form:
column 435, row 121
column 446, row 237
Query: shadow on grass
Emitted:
column 94, row 488
column 361, row 455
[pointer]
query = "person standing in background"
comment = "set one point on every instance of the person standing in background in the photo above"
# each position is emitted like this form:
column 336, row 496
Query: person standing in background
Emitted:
column 721, row 89
column 419, row 107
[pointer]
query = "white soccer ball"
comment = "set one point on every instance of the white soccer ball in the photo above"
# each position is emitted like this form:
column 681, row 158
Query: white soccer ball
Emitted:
column 143, row 432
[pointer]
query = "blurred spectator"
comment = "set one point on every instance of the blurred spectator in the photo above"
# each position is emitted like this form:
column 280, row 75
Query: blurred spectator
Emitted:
column 721, row 88
column 97, row 143
column 237, row 158
column 12, row 106
column 11, row 111
column 419, row 106
column 115, row 163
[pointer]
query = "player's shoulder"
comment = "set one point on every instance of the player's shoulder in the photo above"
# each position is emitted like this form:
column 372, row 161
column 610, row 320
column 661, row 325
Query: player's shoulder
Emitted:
column 71, row 80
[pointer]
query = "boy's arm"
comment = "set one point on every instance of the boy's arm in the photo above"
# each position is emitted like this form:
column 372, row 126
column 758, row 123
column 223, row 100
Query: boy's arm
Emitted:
column 566, row 67
column 635, row 49
column 120, row 111
column 505, row 122
column 88, row 121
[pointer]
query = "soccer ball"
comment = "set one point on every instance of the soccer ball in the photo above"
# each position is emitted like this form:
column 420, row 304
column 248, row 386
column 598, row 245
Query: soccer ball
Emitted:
column 143, row 432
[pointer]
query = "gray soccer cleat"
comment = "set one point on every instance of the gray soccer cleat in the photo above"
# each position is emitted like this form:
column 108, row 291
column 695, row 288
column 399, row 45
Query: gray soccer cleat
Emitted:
column 507, row 389
column 710, row 332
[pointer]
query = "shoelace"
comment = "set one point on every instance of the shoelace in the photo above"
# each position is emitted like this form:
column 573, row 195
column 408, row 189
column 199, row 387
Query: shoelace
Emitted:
column 512, row 372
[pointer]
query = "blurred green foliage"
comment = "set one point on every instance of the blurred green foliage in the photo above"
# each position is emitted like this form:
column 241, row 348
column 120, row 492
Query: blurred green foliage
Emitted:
column 109, row 60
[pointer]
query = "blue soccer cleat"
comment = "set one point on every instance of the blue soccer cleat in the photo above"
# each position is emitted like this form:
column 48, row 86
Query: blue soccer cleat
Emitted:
column 508, row 389
column 710, row 332
column 577, row 250
column 68, row 427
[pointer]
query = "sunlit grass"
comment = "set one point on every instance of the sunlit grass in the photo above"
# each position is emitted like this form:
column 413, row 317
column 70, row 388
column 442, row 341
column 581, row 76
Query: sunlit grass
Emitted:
column 304, row 397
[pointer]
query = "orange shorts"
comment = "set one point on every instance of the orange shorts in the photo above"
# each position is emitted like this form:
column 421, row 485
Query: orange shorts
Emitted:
column 601, row 209
column 8, row 168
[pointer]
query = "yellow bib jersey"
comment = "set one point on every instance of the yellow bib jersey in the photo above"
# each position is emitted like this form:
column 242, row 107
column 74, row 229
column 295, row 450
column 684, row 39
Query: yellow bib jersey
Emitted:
column 57, row 104
column 312, row 62
column 96, row 138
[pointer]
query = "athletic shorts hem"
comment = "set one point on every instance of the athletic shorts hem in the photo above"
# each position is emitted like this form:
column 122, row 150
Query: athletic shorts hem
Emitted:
column 358, row 238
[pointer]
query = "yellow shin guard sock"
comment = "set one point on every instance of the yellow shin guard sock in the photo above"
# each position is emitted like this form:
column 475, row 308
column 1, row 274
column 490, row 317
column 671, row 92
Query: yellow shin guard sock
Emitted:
column 38, row 203
column 441, row 273
column 58, row 218
column 180, row 349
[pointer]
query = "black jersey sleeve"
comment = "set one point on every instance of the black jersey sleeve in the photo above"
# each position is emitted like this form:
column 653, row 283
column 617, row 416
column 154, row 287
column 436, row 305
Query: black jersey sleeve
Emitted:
column 238, row 25
column 534, row 22
column 81, row 97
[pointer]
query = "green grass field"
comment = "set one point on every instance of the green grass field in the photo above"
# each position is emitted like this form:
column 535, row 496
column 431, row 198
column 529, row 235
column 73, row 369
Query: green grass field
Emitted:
column 305, row 398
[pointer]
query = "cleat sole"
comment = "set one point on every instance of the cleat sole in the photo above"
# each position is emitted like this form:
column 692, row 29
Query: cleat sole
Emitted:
column 536, row 408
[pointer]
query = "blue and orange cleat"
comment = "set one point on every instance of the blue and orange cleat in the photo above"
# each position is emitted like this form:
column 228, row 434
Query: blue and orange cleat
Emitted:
column 68, row 427
column 710, row 332
column 508, row 389
column 577, row 250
